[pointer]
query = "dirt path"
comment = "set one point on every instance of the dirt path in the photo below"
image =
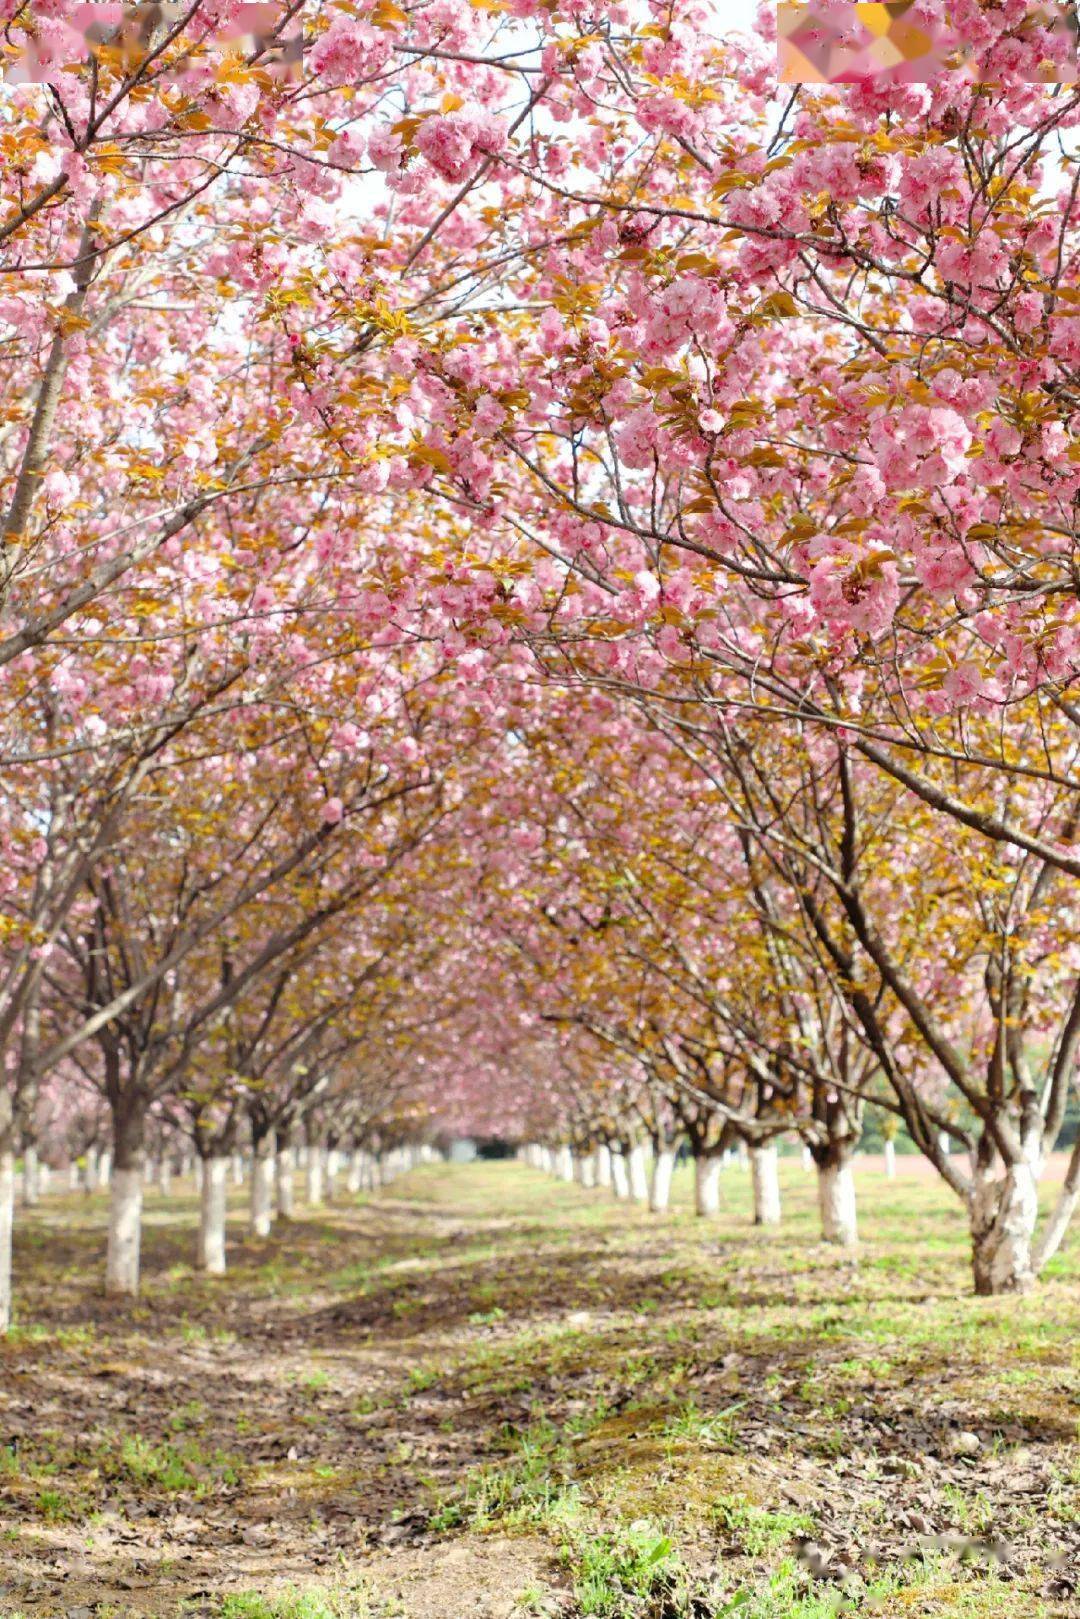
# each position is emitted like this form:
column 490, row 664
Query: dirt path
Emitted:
column 459, row 1387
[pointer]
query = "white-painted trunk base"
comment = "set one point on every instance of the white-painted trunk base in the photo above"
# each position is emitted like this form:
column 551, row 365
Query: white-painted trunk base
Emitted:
column 7, row 1221
column 603, row 1166
column 620, row 1178
column 1004, row 1210
column 890, row 1160
column 31, row 1177
column 92, row 1170
column 588, row 1171
column 314, row 1170
column 660, row 1186
column 284, row 1184
column 125, row 1224
column 707, row 1183
column 165, row 1176
column 262, row 1194
column 211, row 1254
column 764, row 1172
column 354, row 1174
column 638, row 1172
column 836, row 1203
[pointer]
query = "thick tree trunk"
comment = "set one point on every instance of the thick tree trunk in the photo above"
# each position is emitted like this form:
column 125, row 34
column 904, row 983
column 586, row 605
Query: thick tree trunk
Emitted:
column 660, row 1187
column 353, row 1173
column 31, row 1176
column 620, row 1179
column 890, row 1160
column 766, row 1182
column 125, row 1198
column 565, row 1163
column 262, row 1187
column 603, row 1166
column 1004, row 1209
column 588, row 1170
column 238, row 1168
column 7, row 1220
column 836, row 1202
column 211, row 1250
column 707, row 1183
column 333, row 1164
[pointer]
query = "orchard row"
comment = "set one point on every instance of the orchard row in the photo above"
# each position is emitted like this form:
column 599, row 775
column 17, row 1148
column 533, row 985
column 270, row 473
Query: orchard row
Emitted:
column 539, row 591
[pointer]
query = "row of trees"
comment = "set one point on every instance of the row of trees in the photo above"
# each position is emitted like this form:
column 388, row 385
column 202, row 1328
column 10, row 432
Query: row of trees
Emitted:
column 771, row 936
column 336, row 1151
column 539, row 566
column 622, row 1163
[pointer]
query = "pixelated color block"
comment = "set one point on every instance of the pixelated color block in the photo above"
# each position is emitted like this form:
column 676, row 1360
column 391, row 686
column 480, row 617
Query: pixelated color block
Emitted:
column 844, row 41
column 127, row 32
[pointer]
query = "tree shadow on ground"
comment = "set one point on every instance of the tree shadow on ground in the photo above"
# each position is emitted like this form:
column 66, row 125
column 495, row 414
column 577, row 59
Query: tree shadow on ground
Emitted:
column 362, row 1365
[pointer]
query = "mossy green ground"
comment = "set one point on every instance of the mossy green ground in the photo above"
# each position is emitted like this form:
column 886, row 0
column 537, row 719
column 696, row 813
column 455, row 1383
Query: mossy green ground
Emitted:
column 482, row 1393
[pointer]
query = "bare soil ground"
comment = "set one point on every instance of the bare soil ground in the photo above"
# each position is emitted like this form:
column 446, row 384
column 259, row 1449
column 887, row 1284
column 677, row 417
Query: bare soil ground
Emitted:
column 481, row 1393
